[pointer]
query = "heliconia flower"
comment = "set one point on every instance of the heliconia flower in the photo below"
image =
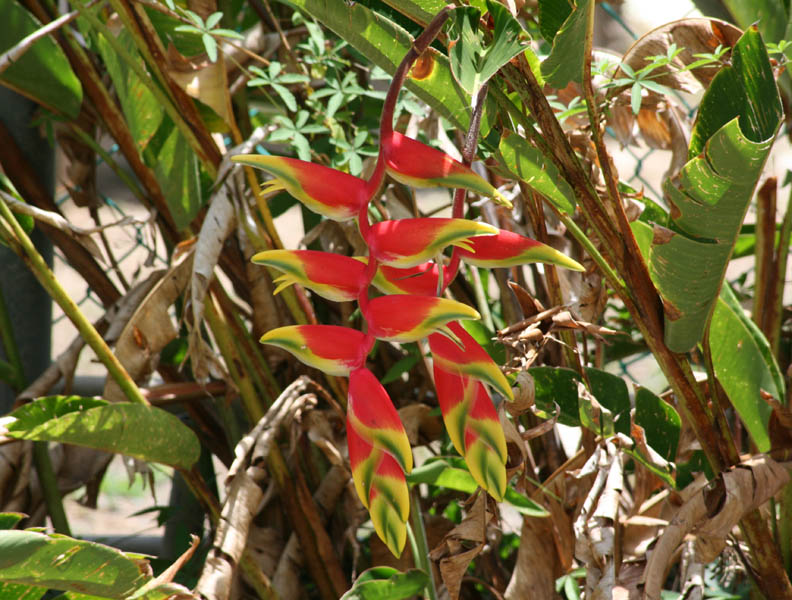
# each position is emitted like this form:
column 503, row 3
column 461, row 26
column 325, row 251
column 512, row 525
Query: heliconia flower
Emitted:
column 332, row 349
column 332, row 276
column 421, row 280
column 474, row 428
column 411, row 242
column 409, row 318
column 415, row 164
column 509, row 249
column 379, row 454
column 469, row 359
column 329, row 192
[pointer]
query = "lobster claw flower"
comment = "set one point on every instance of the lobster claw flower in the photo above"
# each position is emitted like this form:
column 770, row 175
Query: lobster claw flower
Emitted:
column 332, row 276
column 509, row 249
column 469, row 359
column 474, row 428
column 332, row 349
column 329, row 192
column 411, row 242
column 421, row 280
column 410, row 318
column 415, row 164
column 379, row 454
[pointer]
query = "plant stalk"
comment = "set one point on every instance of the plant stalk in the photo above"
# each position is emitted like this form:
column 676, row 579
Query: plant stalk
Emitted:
column 421, row 545
column 24, row 247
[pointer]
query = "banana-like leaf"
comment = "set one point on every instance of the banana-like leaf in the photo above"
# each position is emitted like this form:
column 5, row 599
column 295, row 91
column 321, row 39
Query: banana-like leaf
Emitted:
column 384, row 43
column 540, row 174
column 63, row 563
column 43, row 72
column 770, row 16
column 744, row 366
column 565, row 62
column 94, row 423
column 731, row 139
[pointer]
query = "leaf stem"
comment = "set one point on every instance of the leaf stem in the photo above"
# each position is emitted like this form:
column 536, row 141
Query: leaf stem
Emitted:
column 22, row 244
column 419, row 542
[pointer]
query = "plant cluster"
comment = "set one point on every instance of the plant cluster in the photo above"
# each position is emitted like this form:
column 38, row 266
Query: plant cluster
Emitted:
column 405, row 261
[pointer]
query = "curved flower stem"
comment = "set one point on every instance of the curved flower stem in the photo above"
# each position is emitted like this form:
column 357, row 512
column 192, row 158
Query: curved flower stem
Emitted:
column 420, row 44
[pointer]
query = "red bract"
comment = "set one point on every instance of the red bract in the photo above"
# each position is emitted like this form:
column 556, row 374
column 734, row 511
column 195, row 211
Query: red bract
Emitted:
column 416, row 164
column 474, row 428
column 329, row 348
column 410, row 318
column 508, row 249
column 379, row 454
column 332, row 276
column 410, row 242
column 469, row 359
column 329, row 192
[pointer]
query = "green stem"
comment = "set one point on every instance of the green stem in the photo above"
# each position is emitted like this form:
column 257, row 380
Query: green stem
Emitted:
column 49, row 487
column 41, row 458
column 22, row 244
column 481, row 299
column 419, row 543
column 10, row 347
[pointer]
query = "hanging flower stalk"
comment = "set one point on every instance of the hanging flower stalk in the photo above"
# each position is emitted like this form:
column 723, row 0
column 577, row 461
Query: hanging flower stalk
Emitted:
column 399, row 264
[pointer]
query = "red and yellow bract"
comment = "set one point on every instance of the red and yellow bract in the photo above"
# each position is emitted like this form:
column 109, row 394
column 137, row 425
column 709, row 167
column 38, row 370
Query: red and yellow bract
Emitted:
column 333, row 276
column 474, row 428
column 415, row 164
column 411, row 242
column 332, row 349
column 379, row 454
column 410, row 318
column 329, row 192
column 421, row 280
column 467, row 358
column 509, row 249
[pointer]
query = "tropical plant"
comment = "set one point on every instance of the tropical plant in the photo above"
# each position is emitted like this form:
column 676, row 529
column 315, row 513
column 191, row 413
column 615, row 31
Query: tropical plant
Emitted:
column 388, row 300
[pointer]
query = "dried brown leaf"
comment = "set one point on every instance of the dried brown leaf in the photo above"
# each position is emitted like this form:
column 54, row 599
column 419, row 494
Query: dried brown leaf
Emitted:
column 712, row 513
column 150, row 328
column 692, row 36
column 454, row 554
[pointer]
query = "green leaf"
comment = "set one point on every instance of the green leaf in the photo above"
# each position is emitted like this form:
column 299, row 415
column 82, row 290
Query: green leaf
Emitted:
column 18, row 591
column 143, row 432
column 141, row 108
column 43, row 73
column 552, row 15
column 443, row 473
column 770, row 16
column 384, row 43
column 211, row 46
column 744, row 364
column 611, row 392
column 555, row 385
column 63, row 563
column 403, row 365
column 660, row 422
column 540, row 174
column 473, row 64
column 566, row 59
column 387, row 583
column 177, row 170
column 9, row 519
column 731, row 139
